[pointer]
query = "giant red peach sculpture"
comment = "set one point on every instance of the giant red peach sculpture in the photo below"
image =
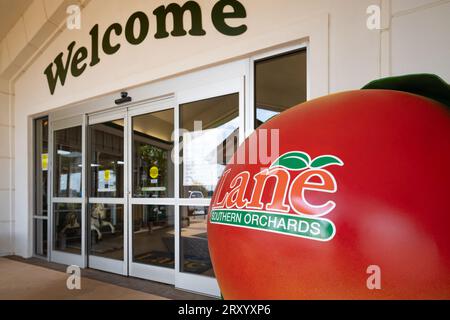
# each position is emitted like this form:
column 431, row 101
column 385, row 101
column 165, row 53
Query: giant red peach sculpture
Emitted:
column 362, row 184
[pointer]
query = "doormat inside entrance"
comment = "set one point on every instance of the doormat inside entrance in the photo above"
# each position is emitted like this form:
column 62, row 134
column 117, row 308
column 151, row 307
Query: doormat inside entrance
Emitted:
column 166, row 260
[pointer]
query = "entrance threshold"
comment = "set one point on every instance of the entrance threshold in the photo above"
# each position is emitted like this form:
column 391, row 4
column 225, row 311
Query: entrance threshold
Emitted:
column 146, row 286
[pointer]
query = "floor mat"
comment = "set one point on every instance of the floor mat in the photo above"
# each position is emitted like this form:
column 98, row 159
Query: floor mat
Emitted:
column 165, row 259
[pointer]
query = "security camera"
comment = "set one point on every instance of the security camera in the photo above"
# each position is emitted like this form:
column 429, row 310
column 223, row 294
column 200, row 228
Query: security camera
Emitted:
column 124, row 98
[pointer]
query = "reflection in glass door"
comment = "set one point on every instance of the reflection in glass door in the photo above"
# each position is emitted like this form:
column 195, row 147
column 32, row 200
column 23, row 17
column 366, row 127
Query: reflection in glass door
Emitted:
column 211, row 127
column 106, row 210
column 152, row 200
column 67, row 229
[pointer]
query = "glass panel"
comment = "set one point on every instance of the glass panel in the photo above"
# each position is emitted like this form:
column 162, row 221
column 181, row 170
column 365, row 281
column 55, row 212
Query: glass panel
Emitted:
column 153, row 169
column 280, row 83
column 67, row 227
column 154, row 235
column 40, row 237
column 106, row 159
column 106, row 230
column 41, row 167
column 68, row 162
column 194, row 252
column 210, row 136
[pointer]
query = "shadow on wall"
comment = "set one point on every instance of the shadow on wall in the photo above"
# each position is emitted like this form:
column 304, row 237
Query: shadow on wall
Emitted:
column 5, row 240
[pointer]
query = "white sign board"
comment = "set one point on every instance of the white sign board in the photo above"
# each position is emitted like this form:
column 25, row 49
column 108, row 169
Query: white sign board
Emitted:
column 106, row 181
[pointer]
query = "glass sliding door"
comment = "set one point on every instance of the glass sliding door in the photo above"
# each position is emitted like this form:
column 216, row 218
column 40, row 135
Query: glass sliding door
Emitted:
column 130, row 188
column 68, row 223
column 153, row 235
column 194, row 251
column 107, row 205
column 280, row 82
column 211, row 127
column 40, row 212
column 152, row 199
column 210, row 137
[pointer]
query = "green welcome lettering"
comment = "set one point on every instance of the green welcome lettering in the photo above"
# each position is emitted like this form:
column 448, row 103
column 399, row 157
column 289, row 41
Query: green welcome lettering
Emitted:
column 58, row 69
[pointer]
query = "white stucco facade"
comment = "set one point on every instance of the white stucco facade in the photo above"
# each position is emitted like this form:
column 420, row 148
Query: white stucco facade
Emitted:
column 343, row 55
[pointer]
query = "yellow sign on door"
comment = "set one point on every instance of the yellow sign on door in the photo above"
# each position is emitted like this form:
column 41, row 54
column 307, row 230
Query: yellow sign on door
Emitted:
column 44, row 161
column 107, row 175
column 154, row 172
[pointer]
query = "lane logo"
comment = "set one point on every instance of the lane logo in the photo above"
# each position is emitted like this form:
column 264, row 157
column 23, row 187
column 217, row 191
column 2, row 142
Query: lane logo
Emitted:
column 288, row 212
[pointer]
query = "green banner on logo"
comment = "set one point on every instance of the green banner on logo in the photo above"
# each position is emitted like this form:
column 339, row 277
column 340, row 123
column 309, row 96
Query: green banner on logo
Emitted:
column 288, row 224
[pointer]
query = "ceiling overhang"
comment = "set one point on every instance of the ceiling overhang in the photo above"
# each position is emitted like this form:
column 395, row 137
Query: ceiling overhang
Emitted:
column 37, row 24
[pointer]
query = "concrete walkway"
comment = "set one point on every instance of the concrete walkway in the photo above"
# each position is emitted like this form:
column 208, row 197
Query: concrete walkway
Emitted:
column 22, row 281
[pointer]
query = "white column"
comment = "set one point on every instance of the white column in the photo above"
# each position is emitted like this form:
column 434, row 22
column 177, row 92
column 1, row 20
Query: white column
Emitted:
column 6, row 170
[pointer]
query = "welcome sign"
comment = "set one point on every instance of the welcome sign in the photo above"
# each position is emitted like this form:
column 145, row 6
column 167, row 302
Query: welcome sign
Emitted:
column 136, row 30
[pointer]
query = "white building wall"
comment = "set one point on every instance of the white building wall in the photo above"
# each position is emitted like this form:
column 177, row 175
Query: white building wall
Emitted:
column 420, row 39
column 6, row 170
column 352, row 55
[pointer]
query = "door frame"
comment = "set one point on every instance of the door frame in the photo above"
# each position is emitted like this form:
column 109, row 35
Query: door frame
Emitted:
column 187, row 281
column 55, row 255
column 37, row 201
column 143, row 271
column 96, row 262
